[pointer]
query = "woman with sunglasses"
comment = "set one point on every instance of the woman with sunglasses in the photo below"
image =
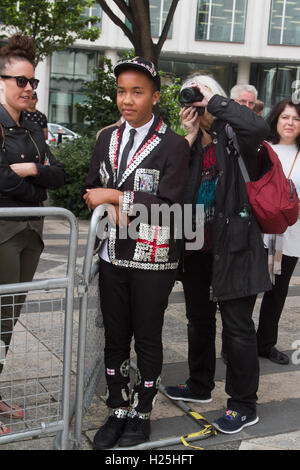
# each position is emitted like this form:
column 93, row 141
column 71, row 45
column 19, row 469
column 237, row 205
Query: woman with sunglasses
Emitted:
column 27, row 170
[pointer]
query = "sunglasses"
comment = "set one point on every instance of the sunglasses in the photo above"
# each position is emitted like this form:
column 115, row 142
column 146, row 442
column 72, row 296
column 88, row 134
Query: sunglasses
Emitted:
column 22, row 81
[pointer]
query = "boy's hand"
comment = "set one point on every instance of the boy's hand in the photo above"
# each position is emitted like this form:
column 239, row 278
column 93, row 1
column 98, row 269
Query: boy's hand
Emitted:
column 95, row 197
column 116, row 217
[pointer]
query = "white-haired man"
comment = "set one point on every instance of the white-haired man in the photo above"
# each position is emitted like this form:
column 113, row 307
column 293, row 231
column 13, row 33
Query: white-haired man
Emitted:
column 244, row 94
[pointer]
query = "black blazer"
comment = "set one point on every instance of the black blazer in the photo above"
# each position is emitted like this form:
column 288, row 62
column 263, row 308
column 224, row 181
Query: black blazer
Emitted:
column 156, row 176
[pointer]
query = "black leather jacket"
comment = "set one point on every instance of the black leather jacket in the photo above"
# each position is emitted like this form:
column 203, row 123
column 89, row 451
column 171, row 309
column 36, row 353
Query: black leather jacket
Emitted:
column 20, row 144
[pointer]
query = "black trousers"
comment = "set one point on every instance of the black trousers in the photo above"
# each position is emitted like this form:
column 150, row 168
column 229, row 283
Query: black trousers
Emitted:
column 133, row 303
column 19, row 257
column 272, row 305
column 242, row 375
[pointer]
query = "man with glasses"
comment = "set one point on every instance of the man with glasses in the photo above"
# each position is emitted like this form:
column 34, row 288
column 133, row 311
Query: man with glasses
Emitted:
column 244, row 94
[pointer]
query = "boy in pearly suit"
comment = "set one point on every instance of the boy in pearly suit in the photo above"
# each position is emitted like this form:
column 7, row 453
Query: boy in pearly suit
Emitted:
column 142, row 164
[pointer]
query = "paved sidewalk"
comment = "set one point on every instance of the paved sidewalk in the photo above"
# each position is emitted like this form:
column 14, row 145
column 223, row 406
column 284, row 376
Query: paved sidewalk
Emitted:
column 278, row 395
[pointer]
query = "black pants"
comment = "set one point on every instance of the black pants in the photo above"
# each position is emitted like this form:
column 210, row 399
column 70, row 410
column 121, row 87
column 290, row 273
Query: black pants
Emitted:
column 19, row 257
column 272, row 305
column 133, row 303
column 242, row 375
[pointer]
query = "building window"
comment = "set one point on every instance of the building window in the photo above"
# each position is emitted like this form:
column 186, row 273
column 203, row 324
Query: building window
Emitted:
column 221, row 20
column 224, row 73
column 159, row 10
column 284, row 25
column 274, row 82
column 69, row 70
column 95, row 10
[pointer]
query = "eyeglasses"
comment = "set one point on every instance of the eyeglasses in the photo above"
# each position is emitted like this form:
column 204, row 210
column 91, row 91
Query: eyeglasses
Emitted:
column 249, row 104
column 22, row 81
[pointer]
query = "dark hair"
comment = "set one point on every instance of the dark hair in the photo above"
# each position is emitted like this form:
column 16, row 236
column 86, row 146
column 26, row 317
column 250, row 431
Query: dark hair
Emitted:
column 259, row 106
column 273, row 116
column 18, row 48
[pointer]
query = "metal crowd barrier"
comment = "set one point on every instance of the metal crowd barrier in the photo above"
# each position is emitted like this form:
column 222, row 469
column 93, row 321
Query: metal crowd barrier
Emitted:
column 90, row 360
column 38, row 367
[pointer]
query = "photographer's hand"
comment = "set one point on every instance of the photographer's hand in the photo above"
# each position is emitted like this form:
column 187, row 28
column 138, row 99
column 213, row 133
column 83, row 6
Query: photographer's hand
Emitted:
column 191, row 123
column 207, row 93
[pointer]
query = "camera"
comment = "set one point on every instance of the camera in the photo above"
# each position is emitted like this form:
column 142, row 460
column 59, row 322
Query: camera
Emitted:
column 189, row 95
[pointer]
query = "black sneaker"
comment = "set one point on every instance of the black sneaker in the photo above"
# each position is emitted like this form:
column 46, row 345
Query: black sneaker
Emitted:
column 184, row 393
column 136, row 431
column 108, row 435
column 276, row 356
column 232, row 422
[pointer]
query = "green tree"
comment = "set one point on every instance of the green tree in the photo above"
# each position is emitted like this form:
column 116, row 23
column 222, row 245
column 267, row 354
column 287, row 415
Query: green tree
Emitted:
column 54, row 25
column 137, row 25
column 169, row 106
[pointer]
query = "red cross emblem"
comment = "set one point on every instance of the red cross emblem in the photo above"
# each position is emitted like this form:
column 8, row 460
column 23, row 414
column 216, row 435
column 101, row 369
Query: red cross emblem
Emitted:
column 153, row 247
column 148, row 384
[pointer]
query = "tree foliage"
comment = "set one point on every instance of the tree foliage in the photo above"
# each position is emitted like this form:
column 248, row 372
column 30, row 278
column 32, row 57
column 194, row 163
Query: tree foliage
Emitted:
column 54, row 25
column 137, row 14
column 75, row 155
column 169, row 106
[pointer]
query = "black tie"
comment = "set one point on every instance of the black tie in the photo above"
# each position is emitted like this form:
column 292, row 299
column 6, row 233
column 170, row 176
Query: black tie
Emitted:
column 124, row 158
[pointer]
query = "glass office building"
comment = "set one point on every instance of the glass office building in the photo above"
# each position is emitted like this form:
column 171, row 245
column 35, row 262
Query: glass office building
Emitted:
column 236, row 41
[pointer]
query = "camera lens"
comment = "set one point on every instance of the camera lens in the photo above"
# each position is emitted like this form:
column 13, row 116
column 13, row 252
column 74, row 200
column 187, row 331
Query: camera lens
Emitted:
column 189, row 95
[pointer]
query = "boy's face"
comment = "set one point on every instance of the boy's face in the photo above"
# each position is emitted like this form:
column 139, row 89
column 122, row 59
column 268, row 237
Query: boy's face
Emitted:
column 136, row 97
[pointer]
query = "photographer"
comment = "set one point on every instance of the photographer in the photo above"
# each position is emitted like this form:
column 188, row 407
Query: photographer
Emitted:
column 232, row 261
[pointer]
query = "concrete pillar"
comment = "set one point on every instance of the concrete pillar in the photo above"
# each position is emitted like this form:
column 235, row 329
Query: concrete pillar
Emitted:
column 112, row 55
column 243, row 75
column 42, row 72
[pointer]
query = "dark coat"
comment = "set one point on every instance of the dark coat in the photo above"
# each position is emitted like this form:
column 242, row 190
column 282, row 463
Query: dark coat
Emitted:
column 239, row 258
column 20, row 144
column 157, row 175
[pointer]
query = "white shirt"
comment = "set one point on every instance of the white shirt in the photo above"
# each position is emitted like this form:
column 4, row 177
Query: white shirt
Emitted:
column 139, row 136
column 291, row 237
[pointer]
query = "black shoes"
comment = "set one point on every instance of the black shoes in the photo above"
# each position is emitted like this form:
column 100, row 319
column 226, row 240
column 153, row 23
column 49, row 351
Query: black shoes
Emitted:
column 276, row 356
column 123, row 427
column 136, row 432
column 109, row 434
